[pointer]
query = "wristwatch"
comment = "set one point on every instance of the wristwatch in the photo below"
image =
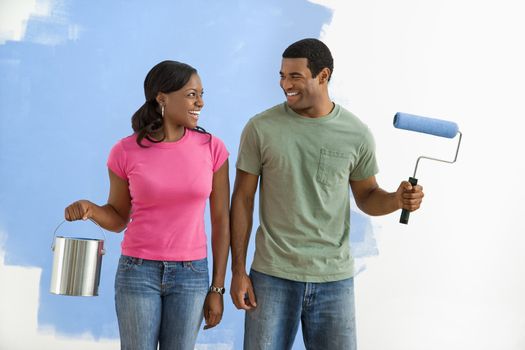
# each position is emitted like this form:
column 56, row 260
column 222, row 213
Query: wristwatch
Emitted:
column 220, row 290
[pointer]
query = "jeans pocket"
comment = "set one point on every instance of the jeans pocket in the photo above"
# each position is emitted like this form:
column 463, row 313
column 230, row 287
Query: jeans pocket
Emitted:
column 128, row 263
column 199, row 266
column 334, row 167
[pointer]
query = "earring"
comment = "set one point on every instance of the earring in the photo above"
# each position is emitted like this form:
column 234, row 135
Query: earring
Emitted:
column 162, row 110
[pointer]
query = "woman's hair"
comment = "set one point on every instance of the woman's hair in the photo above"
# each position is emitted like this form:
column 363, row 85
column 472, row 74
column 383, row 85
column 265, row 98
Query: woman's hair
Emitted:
column 315, row 51
column 166, row 77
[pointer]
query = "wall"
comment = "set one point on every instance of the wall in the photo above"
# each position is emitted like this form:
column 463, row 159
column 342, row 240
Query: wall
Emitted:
column 72, row 76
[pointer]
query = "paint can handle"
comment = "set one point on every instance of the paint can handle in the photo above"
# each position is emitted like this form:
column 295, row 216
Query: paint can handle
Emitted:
column 56, row 229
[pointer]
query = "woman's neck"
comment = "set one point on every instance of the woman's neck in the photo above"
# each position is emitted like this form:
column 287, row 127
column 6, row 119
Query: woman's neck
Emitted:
column 171, row 133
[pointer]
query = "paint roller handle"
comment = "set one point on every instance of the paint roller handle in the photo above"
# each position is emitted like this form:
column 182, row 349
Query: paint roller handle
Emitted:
column 405, row 214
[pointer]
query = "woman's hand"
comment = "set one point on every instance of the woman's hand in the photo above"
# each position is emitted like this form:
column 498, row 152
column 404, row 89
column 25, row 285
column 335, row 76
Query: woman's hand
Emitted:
column 79, row 210
column 213, row 309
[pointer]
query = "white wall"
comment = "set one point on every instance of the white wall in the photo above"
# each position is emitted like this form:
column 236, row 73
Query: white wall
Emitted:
column 454, row 277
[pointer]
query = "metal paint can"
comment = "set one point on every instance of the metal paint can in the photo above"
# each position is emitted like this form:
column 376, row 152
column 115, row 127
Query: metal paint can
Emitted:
column 76, row 265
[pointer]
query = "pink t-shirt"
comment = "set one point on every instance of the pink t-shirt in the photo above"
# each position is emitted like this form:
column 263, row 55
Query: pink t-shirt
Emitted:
column 169, row 183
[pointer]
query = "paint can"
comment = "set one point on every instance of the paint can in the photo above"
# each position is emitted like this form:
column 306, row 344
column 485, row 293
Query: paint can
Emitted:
column 76, row 264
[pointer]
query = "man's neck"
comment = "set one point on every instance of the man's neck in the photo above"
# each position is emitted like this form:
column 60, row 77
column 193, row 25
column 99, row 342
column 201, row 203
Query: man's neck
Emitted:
column 318, row 110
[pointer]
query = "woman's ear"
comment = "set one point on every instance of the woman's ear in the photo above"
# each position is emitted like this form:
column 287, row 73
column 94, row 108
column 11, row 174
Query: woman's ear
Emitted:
column 161, row 98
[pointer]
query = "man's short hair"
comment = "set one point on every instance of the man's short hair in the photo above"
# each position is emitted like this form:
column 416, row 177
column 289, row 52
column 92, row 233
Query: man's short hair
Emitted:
column 315, row 51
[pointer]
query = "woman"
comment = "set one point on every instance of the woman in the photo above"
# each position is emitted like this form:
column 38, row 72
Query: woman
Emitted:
column 160, row 179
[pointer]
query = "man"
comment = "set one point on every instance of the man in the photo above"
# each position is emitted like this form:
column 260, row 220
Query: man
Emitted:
column 305, row 152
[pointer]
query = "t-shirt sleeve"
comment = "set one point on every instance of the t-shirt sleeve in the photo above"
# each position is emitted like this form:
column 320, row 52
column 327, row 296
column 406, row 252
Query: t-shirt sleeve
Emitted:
column 249, row 157
column 117, row 161
column 367, row 164
column 219, row 153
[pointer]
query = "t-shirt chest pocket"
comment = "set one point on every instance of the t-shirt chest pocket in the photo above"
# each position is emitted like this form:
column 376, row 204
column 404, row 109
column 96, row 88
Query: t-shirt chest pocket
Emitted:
column 334, row 167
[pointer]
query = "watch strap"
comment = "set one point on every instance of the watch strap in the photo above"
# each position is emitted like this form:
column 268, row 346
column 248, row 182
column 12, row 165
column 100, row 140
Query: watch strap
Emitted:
column 220, row 290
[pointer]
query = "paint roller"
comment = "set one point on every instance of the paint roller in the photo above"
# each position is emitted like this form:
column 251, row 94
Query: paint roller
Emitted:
column 430, row 126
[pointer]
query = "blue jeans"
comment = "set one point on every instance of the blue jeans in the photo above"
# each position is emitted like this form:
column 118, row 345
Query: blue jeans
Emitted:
column 160, row 302
column 326, row 311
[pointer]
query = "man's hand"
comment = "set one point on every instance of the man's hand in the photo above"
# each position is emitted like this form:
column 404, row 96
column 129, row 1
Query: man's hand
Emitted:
column 409, row 197
column 241, row 291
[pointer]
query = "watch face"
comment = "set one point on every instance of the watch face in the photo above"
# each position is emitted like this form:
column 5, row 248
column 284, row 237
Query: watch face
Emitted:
column 217, row 290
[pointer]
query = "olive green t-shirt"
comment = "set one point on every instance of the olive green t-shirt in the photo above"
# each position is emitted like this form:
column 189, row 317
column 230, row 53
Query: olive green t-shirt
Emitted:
column 305, row 165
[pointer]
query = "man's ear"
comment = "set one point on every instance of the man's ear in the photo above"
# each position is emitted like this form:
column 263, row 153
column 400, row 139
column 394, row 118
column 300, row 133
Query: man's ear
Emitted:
column 324, row 75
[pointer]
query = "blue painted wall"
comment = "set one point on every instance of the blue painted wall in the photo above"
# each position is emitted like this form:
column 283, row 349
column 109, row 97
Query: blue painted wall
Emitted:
column 65, row 100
